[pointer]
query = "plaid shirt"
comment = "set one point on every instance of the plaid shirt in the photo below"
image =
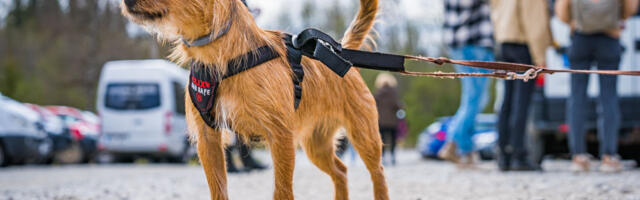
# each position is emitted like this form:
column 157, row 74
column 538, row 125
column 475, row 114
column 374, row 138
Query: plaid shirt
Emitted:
column 467, row 22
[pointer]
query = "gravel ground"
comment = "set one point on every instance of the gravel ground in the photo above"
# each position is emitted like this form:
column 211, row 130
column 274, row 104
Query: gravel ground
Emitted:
column 411, row 179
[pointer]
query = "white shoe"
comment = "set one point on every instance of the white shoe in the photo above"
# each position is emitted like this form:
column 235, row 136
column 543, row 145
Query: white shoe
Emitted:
column 610, row 164
column 580, row 163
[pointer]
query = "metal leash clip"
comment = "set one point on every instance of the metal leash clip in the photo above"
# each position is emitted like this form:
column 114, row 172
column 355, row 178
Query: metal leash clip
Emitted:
column 528, row 75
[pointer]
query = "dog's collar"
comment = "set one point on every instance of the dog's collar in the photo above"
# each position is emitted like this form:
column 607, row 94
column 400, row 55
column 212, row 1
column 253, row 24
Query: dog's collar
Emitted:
column 209, row 38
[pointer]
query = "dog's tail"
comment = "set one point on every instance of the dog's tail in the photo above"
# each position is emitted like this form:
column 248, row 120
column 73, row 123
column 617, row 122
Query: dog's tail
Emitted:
column 360, row 27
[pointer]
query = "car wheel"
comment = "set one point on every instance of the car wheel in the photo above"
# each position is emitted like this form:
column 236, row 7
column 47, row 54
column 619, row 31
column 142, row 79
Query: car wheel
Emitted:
column 486, row 154
column 45, row 149
column 3, row 160
column 123, row 159
column 187, row 154
column 536, row 148
column 536, row 142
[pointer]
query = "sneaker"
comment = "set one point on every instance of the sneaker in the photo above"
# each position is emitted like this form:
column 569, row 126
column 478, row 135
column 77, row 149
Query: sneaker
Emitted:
column 449, row 152
column 467, row 161
column 523, row 165
column 610, row 164
column 580, row 163
column 504, row 161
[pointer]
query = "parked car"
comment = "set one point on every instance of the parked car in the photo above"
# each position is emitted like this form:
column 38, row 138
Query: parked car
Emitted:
column 84, row 131
column 547, row 126
column 55, row 128
column 431, row 140
column 141, row 104
column 22, row 140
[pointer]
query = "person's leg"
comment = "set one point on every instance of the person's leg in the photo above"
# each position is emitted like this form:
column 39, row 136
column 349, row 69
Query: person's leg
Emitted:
column 504, row 116
column 387, row 140
column 478, row 96
column 392, row 146
column 456, row 124
column 504, row 149
column 231, row 166
column 519, row 115
column 580, row 57
column 473, row 91
column 462, row 123
column 483, row 84
column 520, row 112
column 608, row 58
column 247, row 157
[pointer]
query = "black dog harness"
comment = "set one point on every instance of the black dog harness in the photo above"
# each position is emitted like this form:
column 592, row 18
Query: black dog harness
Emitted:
column 203, row 83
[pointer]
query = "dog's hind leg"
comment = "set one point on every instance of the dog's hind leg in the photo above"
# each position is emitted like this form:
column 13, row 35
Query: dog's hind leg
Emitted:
column 319, row 147
column 363, row 133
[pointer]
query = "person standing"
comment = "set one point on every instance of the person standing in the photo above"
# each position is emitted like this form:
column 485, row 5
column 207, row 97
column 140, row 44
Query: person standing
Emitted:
column 595, row 39
column 523, row 33
column 246, row 157
column 469, row 36
column 388, row 104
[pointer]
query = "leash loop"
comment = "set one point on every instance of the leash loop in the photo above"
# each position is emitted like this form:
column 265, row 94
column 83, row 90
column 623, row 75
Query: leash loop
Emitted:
column 526, row 76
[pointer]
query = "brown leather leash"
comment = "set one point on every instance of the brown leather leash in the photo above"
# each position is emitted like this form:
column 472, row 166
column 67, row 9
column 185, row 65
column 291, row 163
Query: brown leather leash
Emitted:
column 503, row 70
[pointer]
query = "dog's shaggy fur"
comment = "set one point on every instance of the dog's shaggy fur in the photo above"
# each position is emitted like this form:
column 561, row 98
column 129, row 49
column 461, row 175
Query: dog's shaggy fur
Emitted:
column 260, row 101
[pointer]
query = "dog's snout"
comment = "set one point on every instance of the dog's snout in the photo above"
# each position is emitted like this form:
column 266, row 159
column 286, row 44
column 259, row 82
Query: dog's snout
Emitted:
column 130, row 3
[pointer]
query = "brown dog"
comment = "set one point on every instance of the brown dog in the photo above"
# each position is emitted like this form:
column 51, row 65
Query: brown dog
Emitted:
column 260, row 100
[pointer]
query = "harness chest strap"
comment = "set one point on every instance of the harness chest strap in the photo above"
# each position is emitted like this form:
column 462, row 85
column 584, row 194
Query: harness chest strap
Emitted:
column 203, row 83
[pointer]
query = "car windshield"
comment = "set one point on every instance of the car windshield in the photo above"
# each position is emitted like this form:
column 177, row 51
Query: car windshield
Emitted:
column 90, row 117
column 132, row 96
column 68, row 119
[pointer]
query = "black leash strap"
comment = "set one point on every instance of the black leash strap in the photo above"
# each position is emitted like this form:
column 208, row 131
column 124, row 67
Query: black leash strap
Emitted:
column 294, row 56
column 320, row 46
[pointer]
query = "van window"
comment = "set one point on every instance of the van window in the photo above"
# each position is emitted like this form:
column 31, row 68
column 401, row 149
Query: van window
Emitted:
column 132, row 96
column 179, row 96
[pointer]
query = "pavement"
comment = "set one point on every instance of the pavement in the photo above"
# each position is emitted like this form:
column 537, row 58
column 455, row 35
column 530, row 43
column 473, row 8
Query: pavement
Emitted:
column 411, row 179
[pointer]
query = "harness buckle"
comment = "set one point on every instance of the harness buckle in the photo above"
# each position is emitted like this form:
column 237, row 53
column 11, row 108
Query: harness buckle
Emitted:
column 328, row 46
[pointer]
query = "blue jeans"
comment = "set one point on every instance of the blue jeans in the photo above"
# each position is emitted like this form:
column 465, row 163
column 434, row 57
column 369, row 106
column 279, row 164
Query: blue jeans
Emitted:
column 605, row 51
column 473, row 99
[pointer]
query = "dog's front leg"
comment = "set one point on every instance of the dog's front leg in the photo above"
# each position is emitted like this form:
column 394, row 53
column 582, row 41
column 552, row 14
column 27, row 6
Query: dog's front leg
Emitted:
column 211, row 153
column 210, row 145
column 283, row 156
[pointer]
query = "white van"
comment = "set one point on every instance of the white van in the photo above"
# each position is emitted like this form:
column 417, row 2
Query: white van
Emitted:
column 141, row 105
